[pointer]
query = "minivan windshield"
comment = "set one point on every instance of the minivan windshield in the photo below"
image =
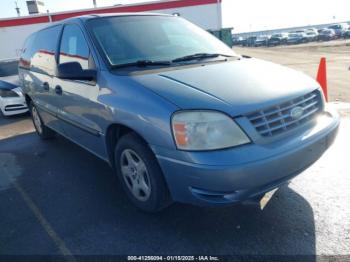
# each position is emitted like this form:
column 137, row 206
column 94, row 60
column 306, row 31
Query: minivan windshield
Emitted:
column 131, row 39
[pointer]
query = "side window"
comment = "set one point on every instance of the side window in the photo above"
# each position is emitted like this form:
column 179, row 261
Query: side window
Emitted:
column 74, row 47
column 27, row 52
column 42, row 53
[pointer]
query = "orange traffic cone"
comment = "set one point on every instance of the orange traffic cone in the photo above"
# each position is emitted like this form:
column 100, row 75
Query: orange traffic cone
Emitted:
column 322, row 77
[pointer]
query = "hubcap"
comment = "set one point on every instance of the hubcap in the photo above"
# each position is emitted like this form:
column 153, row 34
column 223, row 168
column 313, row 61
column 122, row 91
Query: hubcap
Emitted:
column 36, row 120
column 135, row 175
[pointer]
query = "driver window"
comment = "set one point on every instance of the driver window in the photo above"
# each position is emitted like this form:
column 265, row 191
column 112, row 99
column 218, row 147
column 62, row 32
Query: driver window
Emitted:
column 74, row 47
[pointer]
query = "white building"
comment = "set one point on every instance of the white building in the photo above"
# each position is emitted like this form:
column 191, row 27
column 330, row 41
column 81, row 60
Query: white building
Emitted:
column 13, row 31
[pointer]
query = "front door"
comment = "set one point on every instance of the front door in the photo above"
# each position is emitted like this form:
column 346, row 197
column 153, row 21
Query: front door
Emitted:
column 80, row 113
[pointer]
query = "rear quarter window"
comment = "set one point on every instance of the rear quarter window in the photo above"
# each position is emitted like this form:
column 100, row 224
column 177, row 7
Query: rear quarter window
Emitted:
column 27, row 52
column 38, row 53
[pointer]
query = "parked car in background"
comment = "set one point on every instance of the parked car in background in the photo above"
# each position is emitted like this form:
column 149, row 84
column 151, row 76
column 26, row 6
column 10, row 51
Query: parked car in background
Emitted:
column 8, row 68
column 327, row 35
column 311, row 30
column 278, row 39
column 249, row 41
column 311, row 36
column 12, row 100
column 186, row 121
column 347, row 34
column 261, row 41
column 296, row 38
column 339, row 29
column 237, row 40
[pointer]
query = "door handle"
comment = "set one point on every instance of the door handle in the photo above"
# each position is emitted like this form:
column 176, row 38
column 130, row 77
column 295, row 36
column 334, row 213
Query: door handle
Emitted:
column 58, row 90
column 46, row 86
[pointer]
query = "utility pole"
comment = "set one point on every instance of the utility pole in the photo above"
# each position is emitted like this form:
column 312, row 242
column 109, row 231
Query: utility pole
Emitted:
column 17, row 9
column 48, row 14
column 219, row 14
column 94, row 2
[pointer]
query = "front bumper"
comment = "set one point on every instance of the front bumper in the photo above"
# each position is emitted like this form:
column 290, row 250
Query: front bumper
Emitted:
column 291, row 42
column 325, row 37
column 243, row 173
column 13, row 105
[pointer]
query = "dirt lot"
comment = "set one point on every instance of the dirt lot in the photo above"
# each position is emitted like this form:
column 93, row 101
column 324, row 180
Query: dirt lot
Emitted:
column 306, row 58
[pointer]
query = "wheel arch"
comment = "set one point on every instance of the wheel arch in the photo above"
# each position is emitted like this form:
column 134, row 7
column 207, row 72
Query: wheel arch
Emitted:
column 28, row 99
column 113, row 133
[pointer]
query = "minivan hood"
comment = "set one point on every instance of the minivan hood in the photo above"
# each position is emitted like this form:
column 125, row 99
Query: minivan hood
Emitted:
column 236, row 87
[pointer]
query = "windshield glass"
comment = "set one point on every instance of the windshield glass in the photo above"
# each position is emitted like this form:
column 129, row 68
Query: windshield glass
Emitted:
column 127, row 39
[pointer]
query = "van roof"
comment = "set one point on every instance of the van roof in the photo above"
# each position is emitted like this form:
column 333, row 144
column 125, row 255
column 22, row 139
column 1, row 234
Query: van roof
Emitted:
column 84, row 18
column 90, row 16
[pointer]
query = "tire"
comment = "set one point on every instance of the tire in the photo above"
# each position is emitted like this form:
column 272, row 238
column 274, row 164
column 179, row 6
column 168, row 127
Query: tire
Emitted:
column 41, row 129
column 138, row 169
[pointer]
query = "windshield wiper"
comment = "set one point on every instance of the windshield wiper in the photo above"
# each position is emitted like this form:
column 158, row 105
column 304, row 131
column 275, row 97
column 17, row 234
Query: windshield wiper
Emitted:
column 198, row 56
column 143, row 63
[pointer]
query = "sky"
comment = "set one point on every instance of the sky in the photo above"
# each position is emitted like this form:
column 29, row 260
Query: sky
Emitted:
column 243, row 15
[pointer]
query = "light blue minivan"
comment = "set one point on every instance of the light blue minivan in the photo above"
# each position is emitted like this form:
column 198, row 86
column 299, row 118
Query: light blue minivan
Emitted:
column 176, row 113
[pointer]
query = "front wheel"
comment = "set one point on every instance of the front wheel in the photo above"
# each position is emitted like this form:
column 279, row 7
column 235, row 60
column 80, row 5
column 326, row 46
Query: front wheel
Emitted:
column 42, row 130
column 140, row 174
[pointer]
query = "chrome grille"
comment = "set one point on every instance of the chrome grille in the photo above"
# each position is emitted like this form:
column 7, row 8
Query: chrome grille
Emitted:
column 277, row 119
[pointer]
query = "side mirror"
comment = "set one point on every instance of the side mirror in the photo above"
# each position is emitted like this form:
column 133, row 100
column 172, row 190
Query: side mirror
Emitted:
column 74, row 71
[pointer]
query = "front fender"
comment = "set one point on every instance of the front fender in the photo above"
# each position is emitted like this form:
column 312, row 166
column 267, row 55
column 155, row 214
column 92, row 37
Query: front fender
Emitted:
column 138, row 108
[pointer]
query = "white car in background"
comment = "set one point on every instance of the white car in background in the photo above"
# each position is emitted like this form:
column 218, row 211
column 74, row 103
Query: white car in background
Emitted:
column 12, row 100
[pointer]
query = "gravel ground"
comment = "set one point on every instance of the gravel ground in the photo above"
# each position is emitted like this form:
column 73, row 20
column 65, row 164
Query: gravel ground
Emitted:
column 306, row 58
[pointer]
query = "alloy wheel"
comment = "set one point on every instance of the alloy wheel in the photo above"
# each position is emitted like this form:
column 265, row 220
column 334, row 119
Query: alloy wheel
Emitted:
column 36, row 120
column 135, row 175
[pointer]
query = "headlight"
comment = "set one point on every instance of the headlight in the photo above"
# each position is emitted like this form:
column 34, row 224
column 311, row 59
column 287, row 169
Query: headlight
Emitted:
column 206, row 130
column 8, row 93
